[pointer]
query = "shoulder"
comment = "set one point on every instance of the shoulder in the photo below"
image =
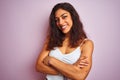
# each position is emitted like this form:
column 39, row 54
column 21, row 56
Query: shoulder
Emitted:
column 88, row 45
column 88, row 42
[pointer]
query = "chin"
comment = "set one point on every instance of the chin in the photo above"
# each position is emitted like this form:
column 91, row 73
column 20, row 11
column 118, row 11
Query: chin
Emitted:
column 65, row 32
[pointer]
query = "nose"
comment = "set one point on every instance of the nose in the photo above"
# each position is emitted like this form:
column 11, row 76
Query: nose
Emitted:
column 61, row 22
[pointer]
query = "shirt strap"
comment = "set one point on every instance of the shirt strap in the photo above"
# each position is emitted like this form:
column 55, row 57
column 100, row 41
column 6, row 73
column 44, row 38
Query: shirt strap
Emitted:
column 83, row 41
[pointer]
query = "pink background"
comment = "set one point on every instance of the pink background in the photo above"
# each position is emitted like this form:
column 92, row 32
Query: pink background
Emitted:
column 23, row 27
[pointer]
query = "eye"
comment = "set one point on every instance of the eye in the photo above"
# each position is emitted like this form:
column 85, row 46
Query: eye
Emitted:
column 64, row 17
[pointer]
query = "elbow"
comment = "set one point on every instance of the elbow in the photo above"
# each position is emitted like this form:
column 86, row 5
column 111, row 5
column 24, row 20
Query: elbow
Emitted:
column 38, row 67
column 79, row 76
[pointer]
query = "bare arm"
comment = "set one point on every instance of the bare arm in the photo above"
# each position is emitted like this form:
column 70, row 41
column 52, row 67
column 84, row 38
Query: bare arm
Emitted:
column 40, row 66
column 72, row 71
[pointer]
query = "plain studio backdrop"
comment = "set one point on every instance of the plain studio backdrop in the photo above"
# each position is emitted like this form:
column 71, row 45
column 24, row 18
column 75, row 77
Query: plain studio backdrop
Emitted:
column 23, row 28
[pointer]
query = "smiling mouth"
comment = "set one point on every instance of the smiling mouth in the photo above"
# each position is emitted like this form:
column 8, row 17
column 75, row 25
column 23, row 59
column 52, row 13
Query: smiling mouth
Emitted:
column 63, row 27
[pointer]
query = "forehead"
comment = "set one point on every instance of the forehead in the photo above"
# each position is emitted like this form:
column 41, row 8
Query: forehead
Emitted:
column 60, row 12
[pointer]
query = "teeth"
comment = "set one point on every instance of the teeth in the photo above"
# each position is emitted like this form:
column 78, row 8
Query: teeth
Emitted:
column 63, row 27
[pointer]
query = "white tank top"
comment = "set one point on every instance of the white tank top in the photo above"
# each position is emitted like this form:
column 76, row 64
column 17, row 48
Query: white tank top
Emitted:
column 69, row 58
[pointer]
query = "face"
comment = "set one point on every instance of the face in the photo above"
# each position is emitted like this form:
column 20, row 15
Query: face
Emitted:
column 63, row 20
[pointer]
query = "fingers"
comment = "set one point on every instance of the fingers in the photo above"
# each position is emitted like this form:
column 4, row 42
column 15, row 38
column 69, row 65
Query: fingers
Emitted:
column 46, row 60
column 83, row 62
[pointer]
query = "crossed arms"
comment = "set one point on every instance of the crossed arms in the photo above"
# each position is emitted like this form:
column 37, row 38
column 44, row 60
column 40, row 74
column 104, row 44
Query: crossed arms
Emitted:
column 77, row 71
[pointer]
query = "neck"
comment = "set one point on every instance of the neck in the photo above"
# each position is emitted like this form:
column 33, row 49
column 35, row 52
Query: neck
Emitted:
column 67, row 38
column 67, row 35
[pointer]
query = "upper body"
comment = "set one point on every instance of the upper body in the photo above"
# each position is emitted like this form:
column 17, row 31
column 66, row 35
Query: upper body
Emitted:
column 66, row 37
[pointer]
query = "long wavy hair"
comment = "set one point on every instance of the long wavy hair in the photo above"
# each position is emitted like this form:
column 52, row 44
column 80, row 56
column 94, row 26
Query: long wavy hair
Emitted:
column 56, row 36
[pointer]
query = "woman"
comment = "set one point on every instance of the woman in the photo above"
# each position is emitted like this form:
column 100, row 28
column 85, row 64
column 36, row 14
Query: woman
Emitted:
column 67, row 52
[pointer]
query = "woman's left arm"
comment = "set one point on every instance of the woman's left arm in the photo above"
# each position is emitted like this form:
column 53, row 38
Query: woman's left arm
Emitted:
column 73, row 71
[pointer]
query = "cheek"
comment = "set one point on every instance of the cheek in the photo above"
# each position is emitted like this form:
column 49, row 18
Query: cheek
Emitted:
column 71, row 23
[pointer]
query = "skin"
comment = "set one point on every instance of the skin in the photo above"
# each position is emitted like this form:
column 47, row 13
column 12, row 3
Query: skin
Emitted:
column 50, row 65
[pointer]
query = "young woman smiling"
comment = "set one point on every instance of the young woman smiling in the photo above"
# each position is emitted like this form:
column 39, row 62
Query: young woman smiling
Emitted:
column 67, row 52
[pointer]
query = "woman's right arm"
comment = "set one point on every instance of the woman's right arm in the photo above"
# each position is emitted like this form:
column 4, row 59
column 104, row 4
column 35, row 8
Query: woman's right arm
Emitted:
column 40, row 66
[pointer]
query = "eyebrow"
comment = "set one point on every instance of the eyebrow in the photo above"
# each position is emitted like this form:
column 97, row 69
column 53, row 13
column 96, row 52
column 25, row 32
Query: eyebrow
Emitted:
column 61, row 15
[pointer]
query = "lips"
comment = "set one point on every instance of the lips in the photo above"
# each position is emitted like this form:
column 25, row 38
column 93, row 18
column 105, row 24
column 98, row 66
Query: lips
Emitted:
column 63, row 27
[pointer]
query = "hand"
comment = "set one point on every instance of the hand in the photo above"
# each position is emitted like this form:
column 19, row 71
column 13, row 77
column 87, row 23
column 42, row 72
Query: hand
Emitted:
column 82, row 62
column 46, row 60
